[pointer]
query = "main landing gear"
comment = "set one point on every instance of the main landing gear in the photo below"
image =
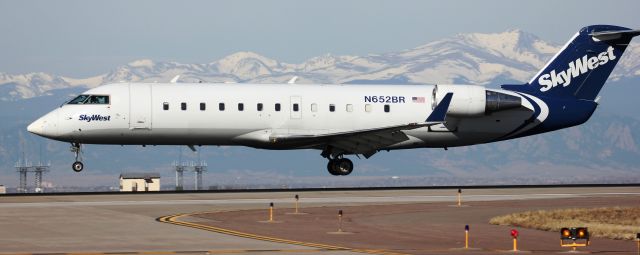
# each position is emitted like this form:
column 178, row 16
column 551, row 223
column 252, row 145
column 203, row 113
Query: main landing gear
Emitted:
column 77, row 166
column 340, row 166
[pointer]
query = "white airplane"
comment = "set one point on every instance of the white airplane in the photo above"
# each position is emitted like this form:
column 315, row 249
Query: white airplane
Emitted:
column 342, row 120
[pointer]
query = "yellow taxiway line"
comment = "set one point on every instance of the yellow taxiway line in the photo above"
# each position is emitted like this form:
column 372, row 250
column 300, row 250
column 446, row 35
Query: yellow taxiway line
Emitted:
column 174, row 219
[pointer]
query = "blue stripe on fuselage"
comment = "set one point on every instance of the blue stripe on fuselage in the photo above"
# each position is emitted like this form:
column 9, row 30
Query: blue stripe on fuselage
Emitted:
column 536, row 112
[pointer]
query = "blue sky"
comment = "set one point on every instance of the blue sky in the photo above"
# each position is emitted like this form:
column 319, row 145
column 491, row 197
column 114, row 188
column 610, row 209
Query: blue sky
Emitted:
column 84, row 38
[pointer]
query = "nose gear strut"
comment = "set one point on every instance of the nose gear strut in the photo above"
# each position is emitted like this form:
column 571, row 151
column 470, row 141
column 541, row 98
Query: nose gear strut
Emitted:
column 77, row 166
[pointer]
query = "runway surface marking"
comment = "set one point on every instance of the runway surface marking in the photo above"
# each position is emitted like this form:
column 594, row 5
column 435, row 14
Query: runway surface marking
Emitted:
column 333, row 200
column 173, row 219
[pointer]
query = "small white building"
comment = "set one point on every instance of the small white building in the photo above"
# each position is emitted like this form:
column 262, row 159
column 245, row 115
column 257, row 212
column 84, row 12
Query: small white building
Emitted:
column 3, row 189
column 135, row 182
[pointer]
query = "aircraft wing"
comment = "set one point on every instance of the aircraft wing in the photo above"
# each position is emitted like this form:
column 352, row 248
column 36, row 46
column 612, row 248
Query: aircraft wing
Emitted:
column 366, row 141
column 363, row 141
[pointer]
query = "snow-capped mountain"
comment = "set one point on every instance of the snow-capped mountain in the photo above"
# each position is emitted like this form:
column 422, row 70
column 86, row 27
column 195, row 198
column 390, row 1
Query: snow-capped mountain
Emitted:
column 507, row 57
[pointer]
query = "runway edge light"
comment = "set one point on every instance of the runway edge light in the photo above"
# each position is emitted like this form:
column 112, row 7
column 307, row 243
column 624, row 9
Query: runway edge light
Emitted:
column 339, row 220
column 514, row 234
column 466, row 236
column 271, row 212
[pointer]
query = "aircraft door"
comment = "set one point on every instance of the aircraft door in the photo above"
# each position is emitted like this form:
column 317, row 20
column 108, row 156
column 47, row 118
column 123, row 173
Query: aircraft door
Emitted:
column 296, row 107
column 140, row 106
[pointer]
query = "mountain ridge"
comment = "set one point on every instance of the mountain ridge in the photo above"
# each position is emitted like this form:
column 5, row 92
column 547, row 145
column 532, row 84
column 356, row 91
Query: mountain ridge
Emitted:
column 473, row 58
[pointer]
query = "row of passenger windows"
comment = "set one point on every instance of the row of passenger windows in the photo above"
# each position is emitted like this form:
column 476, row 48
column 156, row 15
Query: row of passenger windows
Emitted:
column 277, row 107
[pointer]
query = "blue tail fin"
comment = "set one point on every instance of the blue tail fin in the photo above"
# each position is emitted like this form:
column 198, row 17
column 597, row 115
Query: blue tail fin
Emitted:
column 582, row 66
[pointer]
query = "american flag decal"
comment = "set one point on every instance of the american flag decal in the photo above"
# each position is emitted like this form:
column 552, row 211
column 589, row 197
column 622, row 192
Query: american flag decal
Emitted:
column 418, row 100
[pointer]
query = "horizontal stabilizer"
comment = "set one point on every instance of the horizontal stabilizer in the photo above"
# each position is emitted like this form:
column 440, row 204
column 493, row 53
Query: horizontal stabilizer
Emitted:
column 614, row 35
column 440, row 112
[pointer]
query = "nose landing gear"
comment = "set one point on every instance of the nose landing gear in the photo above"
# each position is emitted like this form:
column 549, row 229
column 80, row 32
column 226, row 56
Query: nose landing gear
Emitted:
column 77, row 166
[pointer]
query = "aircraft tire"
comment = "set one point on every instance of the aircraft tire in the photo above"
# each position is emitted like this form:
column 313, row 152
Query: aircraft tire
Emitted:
column 331, row 167
column 343, row 166
column 77, row 166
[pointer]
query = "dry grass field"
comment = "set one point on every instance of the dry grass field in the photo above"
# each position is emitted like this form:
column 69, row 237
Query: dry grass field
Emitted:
column 610, row 222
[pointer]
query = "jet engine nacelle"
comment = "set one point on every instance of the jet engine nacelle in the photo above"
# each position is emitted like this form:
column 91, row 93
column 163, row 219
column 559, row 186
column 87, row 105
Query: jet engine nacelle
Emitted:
column 474, row 101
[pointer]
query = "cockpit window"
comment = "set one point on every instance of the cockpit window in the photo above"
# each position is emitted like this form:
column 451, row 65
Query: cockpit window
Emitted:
column 90, row 99
column 99, row 100
column 79, row 100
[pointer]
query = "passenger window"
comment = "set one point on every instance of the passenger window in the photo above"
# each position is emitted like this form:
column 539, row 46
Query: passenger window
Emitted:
column 183, row 106
column 314, row 107
column 349, row 108
column 295, row 107
column 259, row 107
column 367, row 108
column 332, row 107
column 240, row 107
column 277, row 107
column 221, row 106
column 387, row 108
column 165, row 106
column 203, row 106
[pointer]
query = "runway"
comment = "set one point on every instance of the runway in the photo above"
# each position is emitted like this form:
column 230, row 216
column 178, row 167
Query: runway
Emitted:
column 127, row 224
column 314, row 200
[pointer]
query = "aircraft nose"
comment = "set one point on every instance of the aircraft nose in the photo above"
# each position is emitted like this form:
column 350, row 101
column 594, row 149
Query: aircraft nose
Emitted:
column 36, row 127
column 45, row 126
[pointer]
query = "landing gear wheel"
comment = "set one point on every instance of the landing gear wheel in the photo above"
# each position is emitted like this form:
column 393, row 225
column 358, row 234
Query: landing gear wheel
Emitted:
column 77, row 166
column 331, row 167
column 342, row 166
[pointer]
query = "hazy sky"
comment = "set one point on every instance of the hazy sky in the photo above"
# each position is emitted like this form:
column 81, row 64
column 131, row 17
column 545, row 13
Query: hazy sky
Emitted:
column 84, row 38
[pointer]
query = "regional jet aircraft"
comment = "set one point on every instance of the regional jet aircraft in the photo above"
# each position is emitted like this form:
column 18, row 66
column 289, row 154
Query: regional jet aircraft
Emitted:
column 341, row 120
